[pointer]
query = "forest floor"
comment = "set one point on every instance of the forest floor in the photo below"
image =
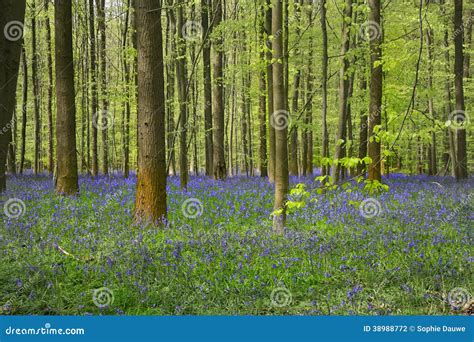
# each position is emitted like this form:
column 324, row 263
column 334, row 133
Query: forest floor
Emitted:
column 409, row 253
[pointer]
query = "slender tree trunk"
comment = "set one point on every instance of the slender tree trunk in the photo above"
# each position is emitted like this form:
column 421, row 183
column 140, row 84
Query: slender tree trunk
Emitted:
column 183, row 98
column 343, row 92
column 460, row 117
column 324, row 86
column 375, row 104
column 50, row 90
column 150, row 201
column 433, row 169
column 94, row 95
column 104, row 114
column 11, row 158
column 218, row 98
column 270, row 111
column 262, row 100
column 36, row 101
column 24, row 106
column 66, row 179
column 206, row 58
column 361, row 167
column 281, row 122
column 126, row 71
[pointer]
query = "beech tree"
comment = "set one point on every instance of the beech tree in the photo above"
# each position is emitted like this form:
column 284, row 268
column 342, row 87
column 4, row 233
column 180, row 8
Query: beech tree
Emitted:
column 66, row 176
column 150, row 203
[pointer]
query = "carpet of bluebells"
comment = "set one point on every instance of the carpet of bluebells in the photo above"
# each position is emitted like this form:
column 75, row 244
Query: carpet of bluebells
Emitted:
column 83, row 255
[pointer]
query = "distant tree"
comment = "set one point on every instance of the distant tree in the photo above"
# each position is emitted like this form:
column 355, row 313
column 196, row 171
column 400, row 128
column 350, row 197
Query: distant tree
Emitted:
column 94, row 95
column 206, row 59
column 36, row 90
column 150, row 201
column 324, row 88
column 12, row 16
column 66, row 177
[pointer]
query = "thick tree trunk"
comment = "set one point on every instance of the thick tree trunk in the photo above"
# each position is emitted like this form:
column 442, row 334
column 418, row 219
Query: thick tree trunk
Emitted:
column 66, row 178
column 13, row 11
column 280, row 122
column 343, row 92
column 218, row 98
column 150, row 201
column 206, row 58
column 324, row 87
column 461, row 148
column 375, row 104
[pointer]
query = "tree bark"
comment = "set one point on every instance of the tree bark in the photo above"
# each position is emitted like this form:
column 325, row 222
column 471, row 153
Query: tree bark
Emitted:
column 341, row 140
column 10, row 48
column 103, row 118
column 270, row 111
column 24, row 105
column 36, row 95
column 324, row 87
column 433, row 167
column 375, row 103
column 262, row 84
column 206, row 58
column 182, row 99
column 50, row 90
column 218, row 98
column 66, row 178
column 94, row 95
column 461, row 148
column 150, row 201
column 280, row 122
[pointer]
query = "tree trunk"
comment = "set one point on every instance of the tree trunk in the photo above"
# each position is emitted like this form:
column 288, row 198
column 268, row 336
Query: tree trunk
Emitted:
column 50, row 91
column 24, row 106
column 150, row 201
column 263, row 100
column 433, row 167
column 103, row 118
column 270, row 111
column 460, row 115
column 66, row 178
column 361, row 167
column 375, row 104
column 36, row 95
column 206, row 58
column 218, row 98
column 94, row 95
column 280, row 122
column 343, row 92
column 182, row 99
column 126, row 123
column 324, row 87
